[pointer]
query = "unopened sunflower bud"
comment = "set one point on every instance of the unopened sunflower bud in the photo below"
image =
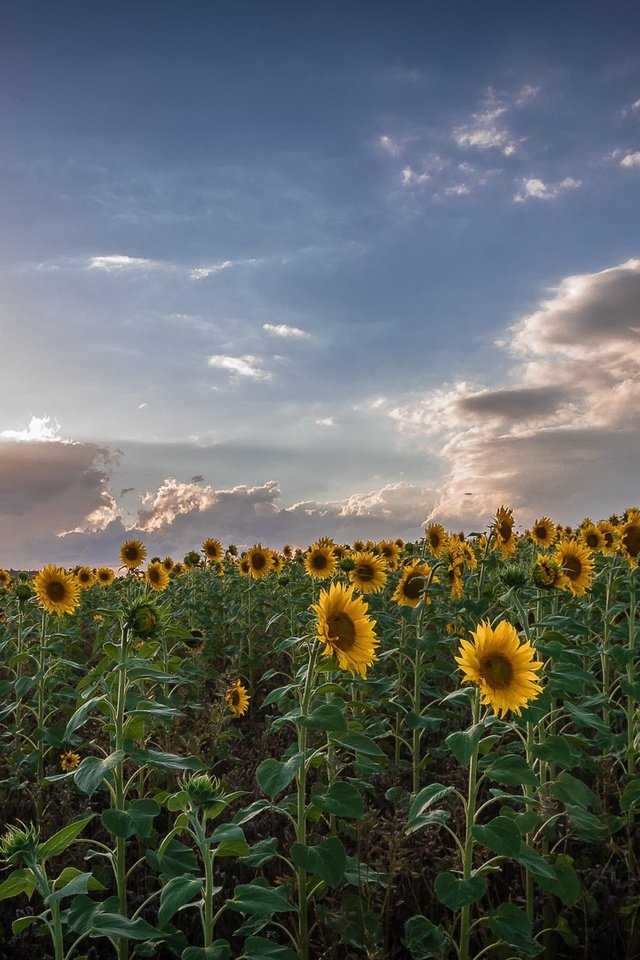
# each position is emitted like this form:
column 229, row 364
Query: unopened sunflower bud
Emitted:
column 143, row 620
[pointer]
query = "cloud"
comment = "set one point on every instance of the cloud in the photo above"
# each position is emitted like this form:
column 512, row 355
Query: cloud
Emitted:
column 537, row 189
column 40, row 429
column 326, row 421
column 284, row 330
column 246, row 366
column 120, row 262
column 390, row 145
column 201, row 273
column 631, row 160
column 487, row 129
column 561, row 431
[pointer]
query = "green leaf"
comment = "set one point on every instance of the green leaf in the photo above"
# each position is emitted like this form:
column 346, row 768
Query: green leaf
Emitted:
column 69, row 873
column 173, row 860
column 248, row 813
column 79, row 884
column 557, row 749
column 463, row 743
column 566, row 884
column 59, row 842
column 512, row 771
column 118, row 823
column 534, row 863
column 20, row 881
column 259, row 901
column 175, row 894
column 359, row 743
column 80, row 716
column 424, row 799
column 455, row 892
column 219, row 950
column 326, row 716
column 142, row 813
column 261, row 852
column 274, row 775
column 168, row 762
column 327, row 860
column 22, row 923
column 231, row 841
column 258, row 948
column 424, row 940
column 93, row 770
column 341, row 799
column 568, row 790
column 500, row 835
column 630, row 795
column 114, row 925
column 512, row 925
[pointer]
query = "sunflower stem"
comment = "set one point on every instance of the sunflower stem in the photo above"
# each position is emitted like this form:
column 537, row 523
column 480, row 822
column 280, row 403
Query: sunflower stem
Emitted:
column 301, row 813
column 470, row 811
column 40, row 719
column 119, row 789
column 631, row 701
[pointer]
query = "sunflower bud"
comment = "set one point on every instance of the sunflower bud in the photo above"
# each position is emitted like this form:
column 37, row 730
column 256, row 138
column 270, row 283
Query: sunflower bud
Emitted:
column 513, row 575
column 347, row 564
column 192, row 559
column 23, row 592
column 18, row 845
column 143, row 620
column 203, row 790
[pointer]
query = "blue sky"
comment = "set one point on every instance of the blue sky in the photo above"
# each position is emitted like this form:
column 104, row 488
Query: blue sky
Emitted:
column 276, row 270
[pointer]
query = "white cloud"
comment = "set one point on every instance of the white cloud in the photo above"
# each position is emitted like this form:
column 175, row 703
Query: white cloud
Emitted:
column 534, row 188
column 284, row 330
column 390, row 146
column 201, row 273
column 246, row 366
column 326, row 421
column 487, row 129
column 631, row 160
column 118, row 262
column 40, row 429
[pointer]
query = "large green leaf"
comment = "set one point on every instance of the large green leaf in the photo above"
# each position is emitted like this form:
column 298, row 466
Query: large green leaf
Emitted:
column 59, row 842
column 341, row 799
column 259, row 948
column 463, row 743
column 512, row 925
column 275, row 775
column 327, row 716
column 20, row 881
column 93, row 770
column 327, row 860
column 566, row 884
column 424, row 940
column 423, row 801
column 259, row 901
column 455, row 892
column 500, row 835
column 175, row 894
column 512, row 771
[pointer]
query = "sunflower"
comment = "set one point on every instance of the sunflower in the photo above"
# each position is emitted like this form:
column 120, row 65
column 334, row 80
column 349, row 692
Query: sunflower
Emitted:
column 277, row 562
column 503, row 528
column 244, row 566
column 503, row 668
column 358, row 545
column 69, row 760
column 287, row 551
column 454, row 573
column 577, row 565
column 260, row 562
column 104, row 576
column 320, row 561
column 132, row 554
column 630, row 536
column 437, row 538
column 610, row 537
column 543, row 532
column 56, row 590
column 237, row 699
column 345, row 628
column 547, row 573
column 5, row 578
column 156, row 577
column 195, row 643
column 592, row 537
column 391, row 552
column 464, row 551
column 412, row 585
column 212, row 549
column 369, row 572
column 85, row 577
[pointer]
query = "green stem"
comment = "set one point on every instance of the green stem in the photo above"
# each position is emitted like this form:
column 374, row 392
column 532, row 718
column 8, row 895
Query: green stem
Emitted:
column 470, row 811
column 631, row 701
column 41, row 707
column 301, row 812
column 119, row 789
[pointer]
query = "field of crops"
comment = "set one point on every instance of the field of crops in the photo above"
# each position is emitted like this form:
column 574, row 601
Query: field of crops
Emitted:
column 381, row 750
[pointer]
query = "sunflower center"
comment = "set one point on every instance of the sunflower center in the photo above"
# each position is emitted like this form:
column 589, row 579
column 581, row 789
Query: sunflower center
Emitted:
column 132, row 553
column 258, row 561
column 572, row 567
column 234, row 696
column 541, row 533
column 434, row 541
column 319, row 561
column 505, row 530
column 154, row 575
column 631, row 540
column 365, row 572
column 592, row 540
column 342, row 632
column 496, row 670
column 56, row 591
column 414, row 586
column 608, row 537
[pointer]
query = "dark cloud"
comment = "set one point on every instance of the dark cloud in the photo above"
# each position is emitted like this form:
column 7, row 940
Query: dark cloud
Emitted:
column 515, row 404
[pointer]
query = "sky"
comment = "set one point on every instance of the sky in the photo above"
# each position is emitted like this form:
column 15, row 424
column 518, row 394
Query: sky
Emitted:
column 277, row 270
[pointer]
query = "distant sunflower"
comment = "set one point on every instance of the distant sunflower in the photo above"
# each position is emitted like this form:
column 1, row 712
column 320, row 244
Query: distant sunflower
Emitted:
column 320, row 561
column 237, row 698
column 85, row 577
column 277, row 562
column 592, row 537
column 412, row 585
column 464, row 551
column 437, row 539
column 156, row 577
column 503, row 527
column 369, row 573
column 244, row 566
column 454, row 573
column 391, row 552
column 167, row 563
column 195, row 643
column 104, row 576
column 503, row 668
column 543, row 532
column 5, row 578
column 56, row 590
column 577, row 565
column 358, row 545
column 212, row 549
column 260, row 562
column 69, row 760
column 547, row 573
column 132, row 554
column 630, row 536
column 610, row 537
column 178, row 569
column 345, row 628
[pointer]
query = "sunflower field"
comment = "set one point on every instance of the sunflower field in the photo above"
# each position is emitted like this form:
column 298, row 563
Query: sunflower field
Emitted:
column 386, row 750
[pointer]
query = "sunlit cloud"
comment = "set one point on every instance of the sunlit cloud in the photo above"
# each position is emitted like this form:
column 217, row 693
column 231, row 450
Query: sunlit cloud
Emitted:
column 536, row 189
column 39, row 430
column 244, row 367
column 284, row 330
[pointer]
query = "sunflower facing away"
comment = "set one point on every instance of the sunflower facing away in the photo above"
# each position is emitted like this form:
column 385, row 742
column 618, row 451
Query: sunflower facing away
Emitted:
column 132, row 554
column 237, row 699
column 212, row 549
column 503, row 668
column 260, row 562
column 610, row 537
column 369, row 574
column 547, row 573
column 630, row 536
column 543, row 532
column 437, row 538
column 412, row 585
column 345, row 628
column 503, row 527
column 156, row 577
column 320, row 561
column 577, row 565
column 56, row 590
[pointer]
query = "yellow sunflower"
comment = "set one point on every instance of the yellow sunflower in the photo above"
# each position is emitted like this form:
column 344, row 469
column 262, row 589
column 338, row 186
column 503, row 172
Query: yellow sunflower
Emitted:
column 345, row 628
column 503, row 668
column 212, row 549
column 547, row 573
column 260, row 561
column 437, row 538
column 69, row 760
column 358, row 545
column 369, row 574
column 237, row 698
column 610, row 537
column 56, row 590
column 178, row 569
column 244, row 567
column 412, row 585
column 85, row 577
column 577, row 565
column 132, row 554
column 287, row 551
column 592, row 537
column 156, row 577
column 503, row 528
column 195, row 643
column 454, row 573
column 464, row 551
column 104, row 576
column 320, row 561
column 630, row 536
column 5, row 578
column 543, row 532
column 277, row 562
column 391, row 552
column 167, row 563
